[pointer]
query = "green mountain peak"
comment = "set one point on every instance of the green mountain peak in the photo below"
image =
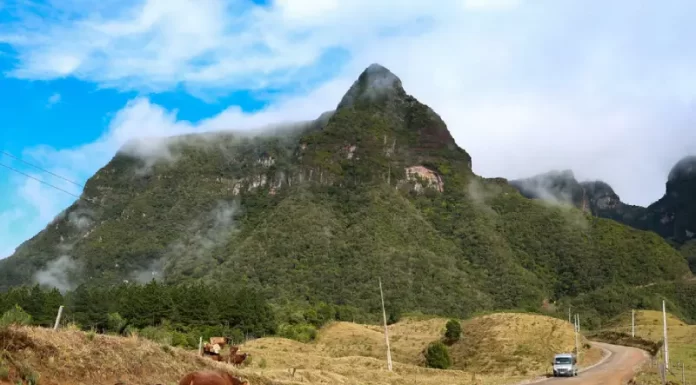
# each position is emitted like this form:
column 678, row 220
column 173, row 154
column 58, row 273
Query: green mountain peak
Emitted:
column 376, row 188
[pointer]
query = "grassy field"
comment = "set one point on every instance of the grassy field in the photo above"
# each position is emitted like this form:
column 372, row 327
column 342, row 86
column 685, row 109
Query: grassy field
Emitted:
column 343, row 353
column 681, row 342
column 42, row 356
column 495, row 349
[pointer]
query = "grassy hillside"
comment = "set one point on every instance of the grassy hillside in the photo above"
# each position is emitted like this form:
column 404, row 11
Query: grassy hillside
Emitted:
column 681, row 340
column 41, row 356
column 517, row 343
column 487, row 351
column 377, row 189
column 344, row 353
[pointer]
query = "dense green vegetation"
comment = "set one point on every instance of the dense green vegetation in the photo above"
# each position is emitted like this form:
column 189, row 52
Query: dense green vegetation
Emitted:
column 673, row 216
column 175, row 314
column 453, row 331
column 318, row 215
column 437, row 356
column 688, row 250
column 600, row 306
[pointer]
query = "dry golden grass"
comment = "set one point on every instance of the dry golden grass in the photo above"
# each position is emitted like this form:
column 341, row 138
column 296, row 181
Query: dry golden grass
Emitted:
column 75, row 357
column 343, row 354
column 516, row 343
column 274, row 358
column 407, row 339
column 506, row 346
column 681, row 341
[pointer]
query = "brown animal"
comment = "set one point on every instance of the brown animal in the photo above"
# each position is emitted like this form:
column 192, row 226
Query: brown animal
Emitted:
column 233, row 351
column 211, row 378
column 238, row 359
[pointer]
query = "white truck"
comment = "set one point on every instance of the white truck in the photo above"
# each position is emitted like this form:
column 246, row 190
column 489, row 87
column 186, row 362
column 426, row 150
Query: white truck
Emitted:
column 565, row 364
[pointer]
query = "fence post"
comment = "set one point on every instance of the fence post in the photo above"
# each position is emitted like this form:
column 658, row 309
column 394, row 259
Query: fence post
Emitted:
column 60, row 313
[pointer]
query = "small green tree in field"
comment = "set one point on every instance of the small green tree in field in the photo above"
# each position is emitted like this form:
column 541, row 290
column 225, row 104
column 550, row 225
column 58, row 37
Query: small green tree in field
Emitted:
column 115, row 322
column 15, row 316
column 453, row 331
column 437, row 356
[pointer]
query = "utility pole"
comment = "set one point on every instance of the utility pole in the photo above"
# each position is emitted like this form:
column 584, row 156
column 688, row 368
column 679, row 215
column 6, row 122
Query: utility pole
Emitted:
column 633, row 323
column 664, row 325
column 386, row 330
column 569, row 321
column 577, row 329
column 60, row 313
column 683, row 377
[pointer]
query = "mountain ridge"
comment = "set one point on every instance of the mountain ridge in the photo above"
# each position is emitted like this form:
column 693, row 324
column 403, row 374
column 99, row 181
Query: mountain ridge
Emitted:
column 673, row 216
column 376, row 188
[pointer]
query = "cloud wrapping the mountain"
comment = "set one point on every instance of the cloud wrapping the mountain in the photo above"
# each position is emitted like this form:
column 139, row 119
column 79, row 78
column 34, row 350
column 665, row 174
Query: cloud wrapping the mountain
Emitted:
column 604, row 89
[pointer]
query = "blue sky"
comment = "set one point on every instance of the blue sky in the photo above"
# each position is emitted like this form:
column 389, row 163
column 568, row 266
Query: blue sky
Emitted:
column 526, row 86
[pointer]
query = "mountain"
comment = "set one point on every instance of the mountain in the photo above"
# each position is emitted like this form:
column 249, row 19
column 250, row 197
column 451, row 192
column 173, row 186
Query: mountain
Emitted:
column 673, row 216
column 595, row 197
column 320, row 210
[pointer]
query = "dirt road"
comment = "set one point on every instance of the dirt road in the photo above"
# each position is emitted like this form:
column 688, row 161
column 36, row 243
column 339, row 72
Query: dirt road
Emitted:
column 615, row 369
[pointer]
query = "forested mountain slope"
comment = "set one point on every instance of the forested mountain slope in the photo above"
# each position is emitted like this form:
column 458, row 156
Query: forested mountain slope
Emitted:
column 376, row 188
column 673, row 216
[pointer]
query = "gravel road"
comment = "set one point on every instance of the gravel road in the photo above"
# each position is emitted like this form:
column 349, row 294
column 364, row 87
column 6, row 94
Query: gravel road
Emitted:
column 617, row 368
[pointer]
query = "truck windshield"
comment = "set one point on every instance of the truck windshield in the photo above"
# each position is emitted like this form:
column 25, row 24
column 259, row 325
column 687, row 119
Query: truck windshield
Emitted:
column 563, row 360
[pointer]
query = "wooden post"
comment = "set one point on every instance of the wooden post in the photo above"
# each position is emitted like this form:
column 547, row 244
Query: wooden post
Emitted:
column 633, row 323
column 664, row 324
column 577, row 329
column 661, row 372
column 60, row 313
column 683, row 377
column 200, row 346
column 386, row 330
column 569, row 316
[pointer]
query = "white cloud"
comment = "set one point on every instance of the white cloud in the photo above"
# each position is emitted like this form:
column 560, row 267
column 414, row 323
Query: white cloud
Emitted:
column 604, row 89
column 53, row 99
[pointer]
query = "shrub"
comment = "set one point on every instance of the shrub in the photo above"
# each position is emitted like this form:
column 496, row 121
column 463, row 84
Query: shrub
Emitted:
column 437, row 356
column 157, row 334
column 301, row 332
column 394, row 317
column 114, row 322
column 453, row 331
column 15, row 316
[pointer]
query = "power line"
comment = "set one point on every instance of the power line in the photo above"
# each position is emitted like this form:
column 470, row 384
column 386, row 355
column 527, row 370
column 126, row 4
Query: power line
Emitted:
column 37, row 179
column 39, row 168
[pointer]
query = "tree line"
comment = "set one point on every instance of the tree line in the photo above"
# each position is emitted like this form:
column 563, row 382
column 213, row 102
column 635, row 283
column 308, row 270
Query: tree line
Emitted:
column 174, row 314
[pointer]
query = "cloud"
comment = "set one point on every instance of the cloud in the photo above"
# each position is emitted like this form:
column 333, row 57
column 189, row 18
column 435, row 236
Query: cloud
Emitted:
column 159, row 44
column 604, row 89
column 59, row 273
column 54, row 99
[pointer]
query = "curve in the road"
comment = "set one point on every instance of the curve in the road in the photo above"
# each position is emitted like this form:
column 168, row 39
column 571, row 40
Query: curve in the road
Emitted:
column 617, row 367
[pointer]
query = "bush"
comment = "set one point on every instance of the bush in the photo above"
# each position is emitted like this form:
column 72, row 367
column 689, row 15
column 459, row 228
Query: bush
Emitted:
column 156, row 334
column 394, row 317
column 15, row 316
column 114, row 323
column 437, row 356
column 301, row 332
column 453, row 331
